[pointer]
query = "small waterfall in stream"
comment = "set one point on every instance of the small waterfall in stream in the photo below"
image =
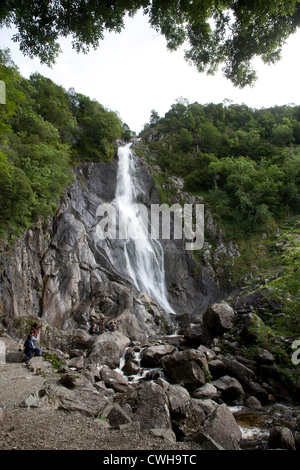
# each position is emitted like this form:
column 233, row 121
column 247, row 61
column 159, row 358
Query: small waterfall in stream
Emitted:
column 144, row 255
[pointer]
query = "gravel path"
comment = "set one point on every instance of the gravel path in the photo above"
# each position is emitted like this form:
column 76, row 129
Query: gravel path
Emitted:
column 28, row 428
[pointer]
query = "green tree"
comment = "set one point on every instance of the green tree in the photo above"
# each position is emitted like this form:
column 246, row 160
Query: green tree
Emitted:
column 52, row 102
column 15, row 96
column 218, row 32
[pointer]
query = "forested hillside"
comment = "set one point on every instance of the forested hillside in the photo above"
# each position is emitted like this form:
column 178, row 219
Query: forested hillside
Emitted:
column 245, row 161
column 44, row 131
column 245, row 164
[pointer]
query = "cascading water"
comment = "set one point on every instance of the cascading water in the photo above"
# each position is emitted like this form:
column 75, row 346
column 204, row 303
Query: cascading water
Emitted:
column 144, row 255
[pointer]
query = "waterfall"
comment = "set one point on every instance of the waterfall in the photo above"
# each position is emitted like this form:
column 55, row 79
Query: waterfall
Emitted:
column 144, row 256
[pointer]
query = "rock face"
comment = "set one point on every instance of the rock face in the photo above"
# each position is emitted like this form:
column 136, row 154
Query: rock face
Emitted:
column 65, row 274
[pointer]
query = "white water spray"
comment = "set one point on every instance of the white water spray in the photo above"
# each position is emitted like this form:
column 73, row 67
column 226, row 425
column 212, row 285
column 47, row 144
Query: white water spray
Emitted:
column 144, row 256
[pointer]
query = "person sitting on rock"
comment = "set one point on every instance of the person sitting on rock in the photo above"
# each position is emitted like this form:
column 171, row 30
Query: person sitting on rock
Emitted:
column 112, row 326
column 30, row 349
column 94, row 330
column 34, row 329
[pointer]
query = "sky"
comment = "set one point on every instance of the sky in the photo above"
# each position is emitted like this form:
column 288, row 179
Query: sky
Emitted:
column 133, row 73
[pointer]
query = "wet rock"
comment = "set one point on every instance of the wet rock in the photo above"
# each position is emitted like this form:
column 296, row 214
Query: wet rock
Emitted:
column 114, row 380
column 130, row 367
column 152, row 356
column 107, row 349
column 281, row 437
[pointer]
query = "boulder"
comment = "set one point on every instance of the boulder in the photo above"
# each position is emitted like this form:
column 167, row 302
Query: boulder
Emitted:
column 222, row 428
column 130, row 367
column 114, row 380
column 76, row 362
column 84, row 398
column 152, row 356
column 131, row 364
column 197, row 333
column 149, row 404
column 107, row 349
column 39, row 366
column 72, row 379
column 186, row 413
column 188, row 368
column 219, row 318
column 230, row 388
column 115, row 415
column 207, row 390
column 252, row 327
column 14, row 356
column 259, row 300
column 281, row 437
column 253, row 403
column 209, row 353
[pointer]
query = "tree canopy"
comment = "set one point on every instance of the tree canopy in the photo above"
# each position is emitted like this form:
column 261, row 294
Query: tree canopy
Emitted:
column 227, row 33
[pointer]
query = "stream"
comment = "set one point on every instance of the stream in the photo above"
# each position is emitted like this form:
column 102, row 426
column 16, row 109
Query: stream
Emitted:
column 255, row 425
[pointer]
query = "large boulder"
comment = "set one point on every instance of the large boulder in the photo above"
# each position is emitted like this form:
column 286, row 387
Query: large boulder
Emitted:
column 219, row 318
column 83, row 398
column 231, row 390
column 131, row 363
column 222, row 429
column 107, row 349
column 114, row 380
column 152, row 356
column 188, row 368
column 149, row 405
column 186, row 413
column 197, row 333
column 281, row 437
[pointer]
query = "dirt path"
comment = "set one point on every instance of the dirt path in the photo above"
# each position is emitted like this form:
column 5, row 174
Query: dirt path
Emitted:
column 28, row 428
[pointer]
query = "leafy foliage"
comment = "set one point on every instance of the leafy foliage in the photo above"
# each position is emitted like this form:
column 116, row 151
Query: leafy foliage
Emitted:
column 217, row 31
column 245, row 162
column 44, row 131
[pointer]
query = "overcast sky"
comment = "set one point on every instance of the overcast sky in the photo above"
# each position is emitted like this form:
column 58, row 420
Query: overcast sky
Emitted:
column 132, row 73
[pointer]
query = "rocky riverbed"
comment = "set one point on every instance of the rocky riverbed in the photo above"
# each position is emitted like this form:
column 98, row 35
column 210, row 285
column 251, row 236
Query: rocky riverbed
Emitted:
column 180, row 391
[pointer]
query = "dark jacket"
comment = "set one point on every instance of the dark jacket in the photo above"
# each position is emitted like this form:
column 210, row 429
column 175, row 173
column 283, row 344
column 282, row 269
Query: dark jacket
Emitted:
column 28, row 347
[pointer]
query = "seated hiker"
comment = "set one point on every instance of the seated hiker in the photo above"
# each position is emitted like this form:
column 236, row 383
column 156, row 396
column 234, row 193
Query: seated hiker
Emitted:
column 30, row 349
column 94, row 330
column 112, row 326
column 34, row 329
column 101, row 328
